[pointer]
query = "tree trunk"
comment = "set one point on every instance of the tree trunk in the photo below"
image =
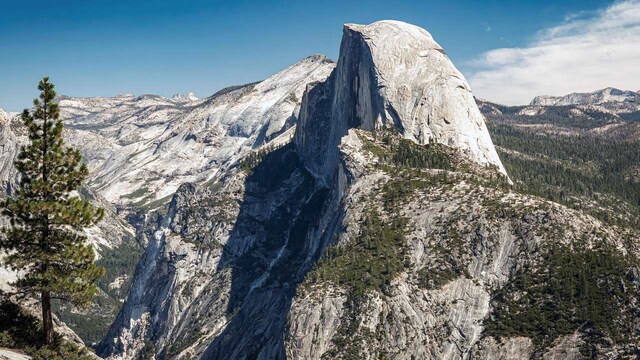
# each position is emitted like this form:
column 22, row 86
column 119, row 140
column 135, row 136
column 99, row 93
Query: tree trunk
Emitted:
column 47, row 319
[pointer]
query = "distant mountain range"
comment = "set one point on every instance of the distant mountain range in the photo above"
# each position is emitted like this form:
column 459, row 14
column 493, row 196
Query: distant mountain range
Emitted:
column 597, row 97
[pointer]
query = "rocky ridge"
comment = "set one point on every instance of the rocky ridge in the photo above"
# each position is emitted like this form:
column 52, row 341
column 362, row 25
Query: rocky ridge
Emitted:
column 464, row 238
column 141, row 148
column 606, row 95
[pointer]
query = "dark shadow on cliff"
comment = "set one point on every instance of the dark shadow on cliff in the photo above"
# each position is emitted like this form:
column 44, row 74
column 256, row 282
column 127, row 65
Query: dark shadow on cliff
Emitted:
column 270, row 249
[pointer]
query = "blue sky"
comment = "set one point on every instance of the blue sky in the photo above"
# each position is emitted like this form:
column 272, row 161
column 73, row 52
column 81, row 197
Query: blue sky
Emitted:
column 103, row 48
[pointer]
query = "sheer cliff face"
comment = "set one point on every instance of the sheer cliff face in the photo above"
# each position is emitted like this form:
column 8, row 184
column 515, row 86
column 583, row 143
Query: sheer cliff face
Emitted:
column 392, row 75
column 219, row 257
column 318, row 224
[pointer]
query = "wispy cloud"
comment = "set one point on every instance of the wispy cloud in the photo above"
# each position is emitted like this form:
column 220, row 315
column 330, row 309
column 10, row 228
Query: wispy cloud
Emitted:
column 588, row 51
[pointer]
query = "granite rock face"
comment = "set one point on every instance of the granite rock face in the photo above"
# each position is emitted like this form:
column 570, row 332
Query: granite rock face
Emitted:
column 220, row 270
column 392, row 74
column 8, row 150
column 140, row 149
column 361, row 92
column 11, row 355
column 483, row 232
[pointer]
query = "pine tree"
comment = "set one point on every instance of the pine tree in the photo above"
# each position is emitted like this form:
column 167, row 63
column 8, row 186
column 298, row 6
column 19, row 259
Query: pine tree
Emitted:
column 45, row 241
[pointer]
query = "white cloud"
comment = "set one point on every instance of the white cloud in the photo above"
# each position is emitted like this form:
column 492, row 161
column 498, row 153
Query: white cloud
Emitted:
column 588, row 51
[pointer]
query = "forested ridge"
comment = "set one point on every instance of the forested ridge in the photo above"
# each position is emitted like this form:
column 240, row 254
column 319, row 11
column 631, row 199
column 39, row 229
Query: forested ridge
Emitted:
column 568, row 159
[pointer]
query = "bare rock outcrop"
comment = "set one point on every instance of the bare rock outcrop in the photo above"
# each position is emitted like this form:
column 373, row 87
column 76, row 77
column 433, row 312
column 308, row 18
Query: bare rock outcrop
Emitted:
column 391, row 74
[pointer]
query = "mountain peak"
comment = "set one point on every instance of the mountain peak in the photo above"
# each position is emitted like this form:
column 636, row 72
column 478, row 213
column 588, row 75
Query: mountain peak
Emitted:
column 317, row 58
column 391, row 74
column 390, row 28
column 5, row 115
column 184, row 97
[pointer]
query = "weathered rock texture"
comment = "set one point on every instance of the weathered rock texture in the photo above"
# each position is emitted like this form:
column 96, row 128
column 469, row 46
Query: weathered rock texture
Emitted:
column 392, row 74
column 486, row 231
column 141, row 148
column 219, row 272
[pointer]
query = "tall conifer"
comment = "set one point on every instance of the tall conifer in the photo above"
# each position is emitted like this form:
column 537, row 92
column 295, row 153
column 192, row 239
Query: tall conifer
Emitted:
column 45, row 241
